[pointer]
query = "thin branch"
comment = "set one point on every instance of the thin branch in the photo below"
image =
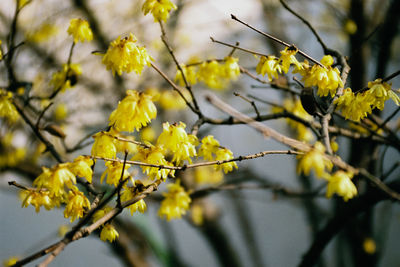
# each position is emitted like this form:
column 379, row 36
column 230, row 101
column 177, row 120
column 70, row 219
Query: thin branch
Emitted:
column 277, row 40
column 238, row 47
column 324, row 47
column 176, row 88
column 293, row 143
column 171, row 52
column 251, row 102
column 201, row 164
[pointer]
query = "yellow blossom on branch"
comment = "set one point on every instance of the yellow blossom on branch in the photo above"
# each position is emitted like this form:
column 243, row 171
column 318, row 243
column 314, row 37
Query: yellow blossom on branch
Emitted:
column 379, row 92
column 154, row 155
column 327, row 79
column 208, row 175
column 77, row 204
column 55, row 179
column 288, row 57
column 109, row 233
column 270, row 66
column 38, row 199
column 123, row 55
column 174, row 139
column 104, row 145
column 82, row 167
column 211, row 74
column 114, row 172
column 314, row 160
column 80, row 30
column 341, row 184
column 67, row 77
column 175, row 203
column 158, row 8
column 209, row 146
column 171, row 100
column 43, row 33
column 135, row 111
column 128, row 194
column 231, row 69
column 353, row 107
column 7, row 109
column 190, row 75
column 223, row 154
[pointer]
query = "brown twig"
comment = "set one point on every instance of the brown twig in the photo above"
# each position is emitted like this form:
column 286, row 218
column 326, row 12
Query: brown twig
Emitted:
column 171, row 52
column 277, row 40
column 269, row 132
column 251, row 102
column 238, row 47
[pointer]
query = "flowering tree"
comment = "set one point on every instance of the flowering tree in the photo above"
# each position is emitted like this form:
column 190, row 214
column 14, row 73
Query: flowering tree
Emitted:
column 131, row 145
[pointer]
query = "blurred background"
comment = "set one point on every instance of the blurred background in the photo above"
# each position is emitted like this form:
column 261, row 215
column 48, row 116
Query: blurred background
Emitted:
column 249, row 227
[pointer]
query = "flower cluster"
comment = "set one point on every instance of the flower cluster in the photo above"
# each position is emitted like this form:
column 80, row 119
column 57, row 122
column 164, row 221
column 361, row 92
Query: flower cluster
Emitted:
column 341, row 184
column 10, row 155
column 43, row 33
column 211, row 150
column 269, row 65
column 114, row 172
column 175, row 203
column 158, row 8
column 133, row 112
column 80, row 30
column 208, row 175
column 296, row 108
column 212, row 73
column 7, row 109
column 314, row 160
column 326, row 78
column 175, row 140
column 77, row 204
column 154, row 155
column 123, row 55
column 67, row 77
column 358, row 106
column 128, row 194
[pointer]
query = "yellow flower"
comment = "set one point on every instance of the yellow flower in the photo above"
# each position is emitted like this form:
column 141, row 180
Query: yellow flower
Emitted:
column 175, row 140
column 77, row 204
column 43, row 33
column 63, row 230
column 379, row 92
column 231, row 69
column 125, row 146
column 7, row 109
column 197, row 214
column 225, row 154
column 314, row 159
column 60, row 112
column 100, row 213
column 55, row 179
column 158, row 8
column 171, row 100
column 1, row 52
column 67, row 77
column 327, row 79
column 109, row 233
column 133, row 112
column 82, row 167
column 209, row 146
column 10, row 261
column 175, row 203
column 269, row 65
column 128, row 194
column 123, row 55
column 154, row 155
column 341, row 184
column 104, row 146
column 114, row 171
column 211, row 73
column 353, row 107
column 288, row 57
column 38, row 199
column 80, row 30
column 208, row 175
column 350, row 27
column 190, row 75
column 148, row 134
column 369, row 245
column 295, row 107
